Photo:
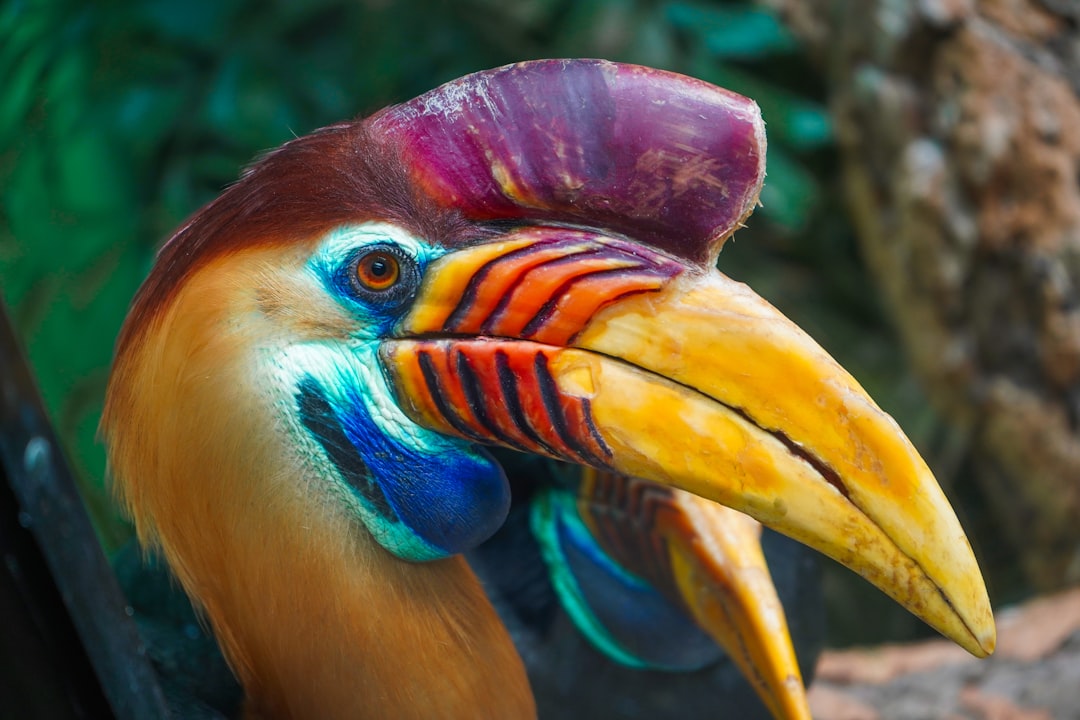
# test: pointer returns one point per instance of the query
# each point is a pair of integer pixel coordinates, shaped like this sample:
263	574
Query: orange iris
378	271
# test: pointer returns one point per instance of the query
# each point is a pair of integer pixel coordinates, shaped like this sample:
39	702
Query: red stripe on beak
547	290
494	391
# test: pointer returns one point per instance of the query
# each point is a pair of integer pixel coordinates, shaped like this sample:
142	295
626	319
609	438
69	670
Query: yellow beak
597	350
708	559
724	580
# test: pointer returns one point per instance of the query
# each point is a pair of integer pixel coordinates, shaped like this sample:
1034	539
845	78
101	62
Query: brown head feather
315	618
337	175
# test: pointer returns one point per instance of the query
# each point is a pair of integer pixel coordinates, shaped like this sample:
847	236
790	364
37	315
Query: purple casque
671	161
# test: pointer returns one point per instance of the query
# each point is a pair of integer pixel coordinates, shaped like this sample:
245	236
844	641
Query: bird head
524	257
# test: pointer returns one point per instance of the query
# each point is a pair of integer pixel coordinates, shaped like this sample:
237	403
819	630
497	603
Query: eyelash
367	287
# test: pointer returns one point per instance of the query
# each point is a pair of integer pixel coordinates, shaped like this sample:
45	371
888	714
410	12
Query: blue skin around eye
636	618
379	318
424	497
451	500
334	267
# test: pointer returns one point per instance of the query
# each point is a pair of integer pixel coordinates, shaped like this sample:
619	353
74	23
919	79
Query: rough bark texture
958	122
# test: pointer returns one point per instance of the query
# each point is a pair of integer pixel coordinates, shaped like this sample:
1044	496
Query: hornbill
525	258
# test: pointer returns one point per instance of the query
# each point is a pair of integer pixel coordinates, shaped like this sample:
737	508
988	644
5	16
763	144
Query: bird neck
322	622
314	617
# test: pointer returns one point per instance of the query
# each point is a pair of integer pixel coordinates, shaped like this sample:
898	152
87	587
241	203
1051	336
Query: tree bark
958	124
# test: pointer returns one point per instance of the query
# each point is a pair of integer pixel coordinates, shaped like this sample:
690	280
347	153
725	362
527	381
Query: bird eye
383	275
378	270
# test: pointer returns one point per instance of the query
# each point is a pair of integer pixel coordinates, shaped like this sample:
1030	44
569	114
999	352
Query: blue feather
622	614
422	502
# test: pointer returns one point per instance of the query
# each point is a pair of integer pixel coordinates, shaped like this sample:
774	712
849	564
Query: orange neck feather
315	618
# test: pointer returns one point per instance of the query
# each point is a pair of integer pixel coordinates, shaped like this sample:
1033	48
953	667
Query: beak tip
980	638
987	641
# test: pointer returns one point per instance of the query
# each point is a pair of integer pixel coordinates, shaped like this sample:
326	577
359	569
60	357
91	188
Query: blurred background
921	215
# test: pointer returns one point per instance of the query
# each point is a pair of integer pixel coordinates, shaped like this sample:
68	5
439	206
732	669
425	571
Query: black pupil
379	267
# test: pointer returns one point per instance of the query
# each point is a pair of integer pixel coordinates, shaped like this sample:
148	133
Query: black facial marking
322	422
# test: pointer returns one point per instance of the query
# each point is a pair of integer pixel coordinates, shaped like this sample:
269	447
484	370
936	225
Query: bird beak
723	579
595	349
708	559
